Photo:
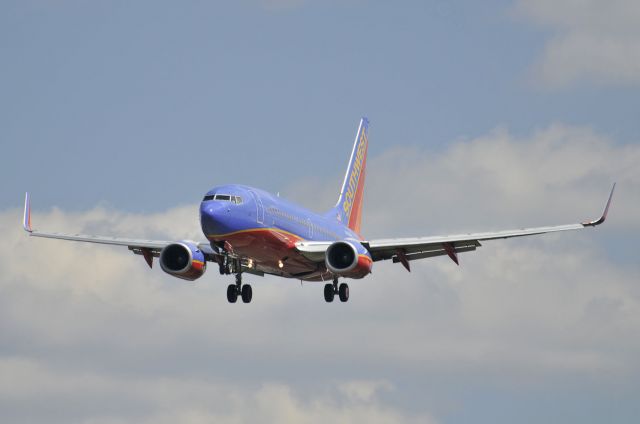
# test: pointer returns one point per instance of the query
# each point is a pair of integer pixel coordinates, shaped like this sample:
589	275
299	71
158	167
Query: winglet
604	214
26	220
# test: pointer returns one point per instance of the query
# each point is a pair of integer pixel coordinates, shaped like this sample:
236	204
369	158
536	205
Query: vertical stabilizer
348	210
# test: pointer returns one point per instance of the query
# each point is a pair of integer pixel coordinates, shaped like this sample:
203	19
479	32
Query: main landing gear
330	290
238	289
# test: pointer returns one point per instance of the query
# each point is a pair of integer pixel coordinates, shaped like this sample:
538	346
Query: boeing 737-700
249	231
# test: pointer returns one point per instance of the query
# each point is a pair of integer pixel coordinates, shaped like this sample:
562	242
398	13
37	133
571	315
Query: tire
232	293
247	293
328	293
343	292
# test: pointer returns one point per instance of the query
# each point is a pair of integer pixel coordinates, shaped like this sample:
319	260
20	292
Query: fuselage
255	224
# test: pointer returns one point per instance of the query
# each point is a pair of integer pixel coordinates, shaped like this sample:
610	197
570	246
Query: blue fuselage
258	225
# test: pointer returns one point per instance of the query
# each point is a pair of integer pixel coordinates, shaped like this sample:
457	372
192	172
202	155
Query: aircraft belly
267	247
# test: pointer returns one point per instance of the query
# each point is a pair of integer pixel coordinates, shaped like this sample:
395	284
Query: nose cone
215	218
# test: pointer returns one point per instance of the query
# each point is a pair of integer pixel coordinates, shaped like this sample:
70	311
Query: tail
348	210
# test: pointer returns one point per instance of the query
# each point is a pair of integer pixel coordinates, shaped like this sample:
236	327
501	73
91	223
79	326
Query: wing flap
433	253
417	246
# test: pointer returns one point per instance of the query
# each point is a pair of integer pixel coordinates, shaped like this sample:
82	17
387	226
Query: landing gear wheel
329	292
232	293
343	292
247	293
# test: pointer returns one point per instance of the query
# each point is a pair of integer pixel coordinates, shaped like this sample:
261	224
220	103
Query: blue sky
108	99
118	116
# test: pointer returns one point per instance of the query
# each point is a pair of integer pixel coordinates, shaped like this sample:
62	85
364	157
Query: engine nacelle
348	259
183	260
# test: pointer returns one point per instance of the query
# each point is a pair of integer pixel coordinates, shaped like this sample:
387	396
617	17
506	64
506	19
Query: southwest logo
354	176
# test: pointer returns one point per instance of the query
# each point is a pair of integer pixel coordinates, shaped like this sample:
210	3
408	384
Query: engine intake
183	260
341	257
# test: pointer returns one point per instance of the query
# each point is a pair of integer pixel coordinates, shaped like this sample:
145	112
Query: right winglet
26	220
604	214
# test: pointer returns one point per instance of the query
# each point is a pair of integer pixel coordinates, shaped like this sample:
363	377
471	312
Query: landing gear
238	289
247	293
330	290
225	264
232	293
343	292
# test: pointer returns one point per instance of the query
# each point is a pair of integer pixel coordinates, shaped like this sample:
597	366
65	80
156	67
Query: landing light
280	264
250	263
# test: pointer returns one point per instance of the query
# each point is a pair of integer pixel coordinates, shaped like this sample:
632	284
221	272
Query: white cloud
190	400
593	40
90	333
363	390
560	174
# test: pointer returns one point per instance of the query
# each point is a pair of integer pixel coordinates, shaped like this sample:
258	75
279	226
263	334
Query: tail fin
348	210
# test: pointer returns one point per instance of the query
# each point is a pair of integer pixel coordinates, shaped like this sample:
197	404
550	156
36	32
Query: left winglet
604	214
26	220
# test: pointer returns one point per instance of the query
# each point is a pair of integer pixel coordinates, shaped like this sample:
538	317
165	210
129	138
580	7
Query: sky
118	116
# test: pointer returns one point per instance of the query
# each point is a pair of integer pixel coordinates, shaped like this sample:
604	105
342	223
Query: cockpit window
223	197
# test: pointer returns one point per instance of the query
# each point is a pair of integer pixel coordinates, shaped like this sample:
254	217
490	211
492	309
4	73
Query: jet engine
183	260
348	260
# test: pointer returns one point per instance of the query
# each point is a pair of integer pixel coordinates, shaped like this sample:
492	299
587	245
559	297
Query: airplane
250	231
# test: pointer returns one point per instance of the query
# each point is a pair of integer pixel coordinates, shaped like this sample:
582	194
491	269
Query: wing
147	248
408	249
404	250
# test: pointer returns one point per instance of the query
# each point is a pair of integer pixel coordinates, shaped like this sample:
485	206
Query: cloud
559	174
90	334
171	400
592	41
